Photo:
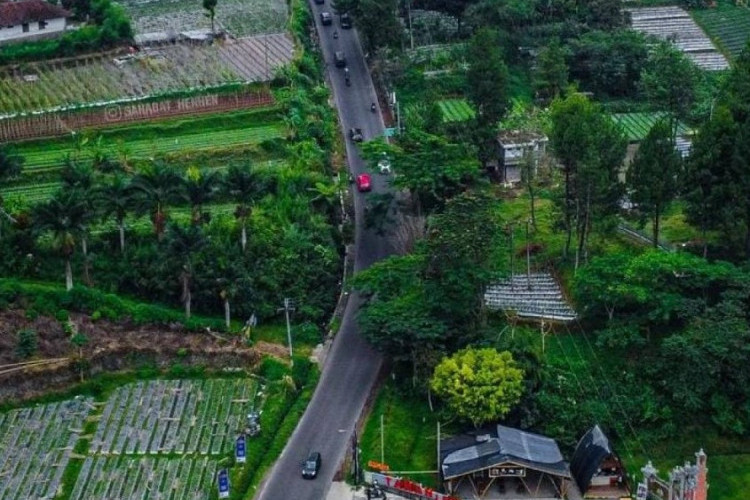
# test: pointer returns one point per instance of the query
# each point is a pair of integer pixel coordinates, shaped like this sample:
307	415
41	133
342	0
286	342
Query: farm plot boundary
64	123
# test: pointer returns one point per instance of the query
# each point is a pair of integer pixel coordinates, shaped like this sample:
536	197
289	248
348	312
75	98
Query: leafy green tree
459	244
377	21
210	8
590	148
245	187
709	180
432	170
26	344
156	187
11	164
479	385
115	198
740	168
487	87
738	86
551	70
669	80
608	63
653	177
600	286
183	244
10	167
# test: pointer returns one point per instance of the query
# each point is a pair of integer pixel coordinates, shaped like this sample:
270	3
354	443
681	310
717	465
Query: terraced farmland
455	110
727	23
130	478
676	25
152	72
35	447
238	17
174	416
637	125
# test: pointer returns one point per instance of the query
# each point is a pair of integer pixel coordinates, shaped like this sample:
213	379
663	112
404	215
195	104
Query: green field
212	141
637	125
455	110
727	24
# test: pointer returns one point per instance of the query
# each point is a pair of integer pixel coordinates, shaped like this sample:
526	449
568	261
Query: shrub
273	369
27	343
62	315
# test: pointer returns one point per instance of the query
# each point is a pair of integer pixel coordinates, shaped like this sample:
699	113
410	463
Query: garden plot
35	447
455	110
536	296
727	23
256	58
676	25
152	72
174	416
136	478
238	17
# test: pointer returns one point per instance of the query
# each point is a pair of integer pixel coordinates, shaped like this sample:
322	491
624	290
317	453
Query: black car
311	466
346	21
355	134
339	59
320	2
326	18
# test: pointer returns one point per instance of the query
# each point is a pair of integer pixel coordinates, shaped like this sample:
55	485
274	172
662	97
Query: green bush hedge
55	301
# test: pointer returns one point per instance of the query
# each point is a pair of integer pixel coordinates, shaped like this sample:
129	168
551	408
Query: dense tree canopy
478	385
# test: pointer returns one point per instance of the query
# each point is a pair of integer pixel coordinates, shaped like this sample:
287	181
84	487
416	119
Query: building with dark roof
30	19
491	462
597	470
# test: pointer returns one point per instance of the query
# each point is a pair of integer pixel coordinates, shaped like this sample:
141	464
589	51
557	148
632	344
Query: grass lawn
409	437
729	476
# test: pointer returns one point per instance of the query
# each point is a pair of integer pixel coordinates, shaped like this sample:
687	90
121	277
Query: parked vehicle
384	164
320	2
326	18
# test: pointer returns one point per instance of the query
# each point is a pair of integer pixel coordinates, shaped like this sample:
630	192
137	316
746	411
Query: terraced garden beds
727	23
238	17
455	110
164	70
35	446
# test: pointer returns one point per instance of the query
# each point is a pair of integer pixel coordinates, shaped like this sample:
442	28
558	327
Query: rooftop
28	11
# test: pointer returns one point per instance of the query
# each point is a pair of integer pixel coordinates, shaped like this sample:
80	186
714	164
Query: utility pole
382	440
528	257
438	447
512	281
288	306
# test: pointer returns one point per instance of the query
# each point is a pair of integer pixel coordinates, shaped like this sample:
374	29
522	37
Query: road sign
390	132
223	484
239	449
642	491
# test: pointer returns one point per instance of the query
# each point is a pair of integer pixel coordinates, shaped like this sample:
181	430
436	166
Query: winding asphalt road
352	364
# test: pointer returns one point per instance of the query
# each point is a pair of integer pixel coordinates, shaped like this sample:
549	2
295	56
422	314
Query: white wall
16	32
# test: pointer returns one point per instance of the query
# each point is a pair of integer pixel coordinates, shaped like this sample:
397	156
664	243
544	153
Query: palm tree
155	188
183	244
244	185
200	188
115	198
64	215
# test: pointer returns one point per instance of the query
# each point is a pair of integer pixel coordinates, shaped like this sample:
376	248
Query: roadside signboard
239	449
223	484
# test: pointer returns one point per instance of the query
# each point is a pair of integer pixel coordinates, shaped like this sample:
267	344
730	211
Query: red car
364	183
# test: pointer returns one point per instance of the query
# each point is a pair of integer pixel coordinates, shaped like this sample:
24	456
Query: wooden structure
492	461
597	469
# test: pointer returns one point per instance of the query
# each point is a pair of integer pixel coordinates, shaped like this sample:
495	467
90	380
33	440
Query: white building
512	146
22	20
